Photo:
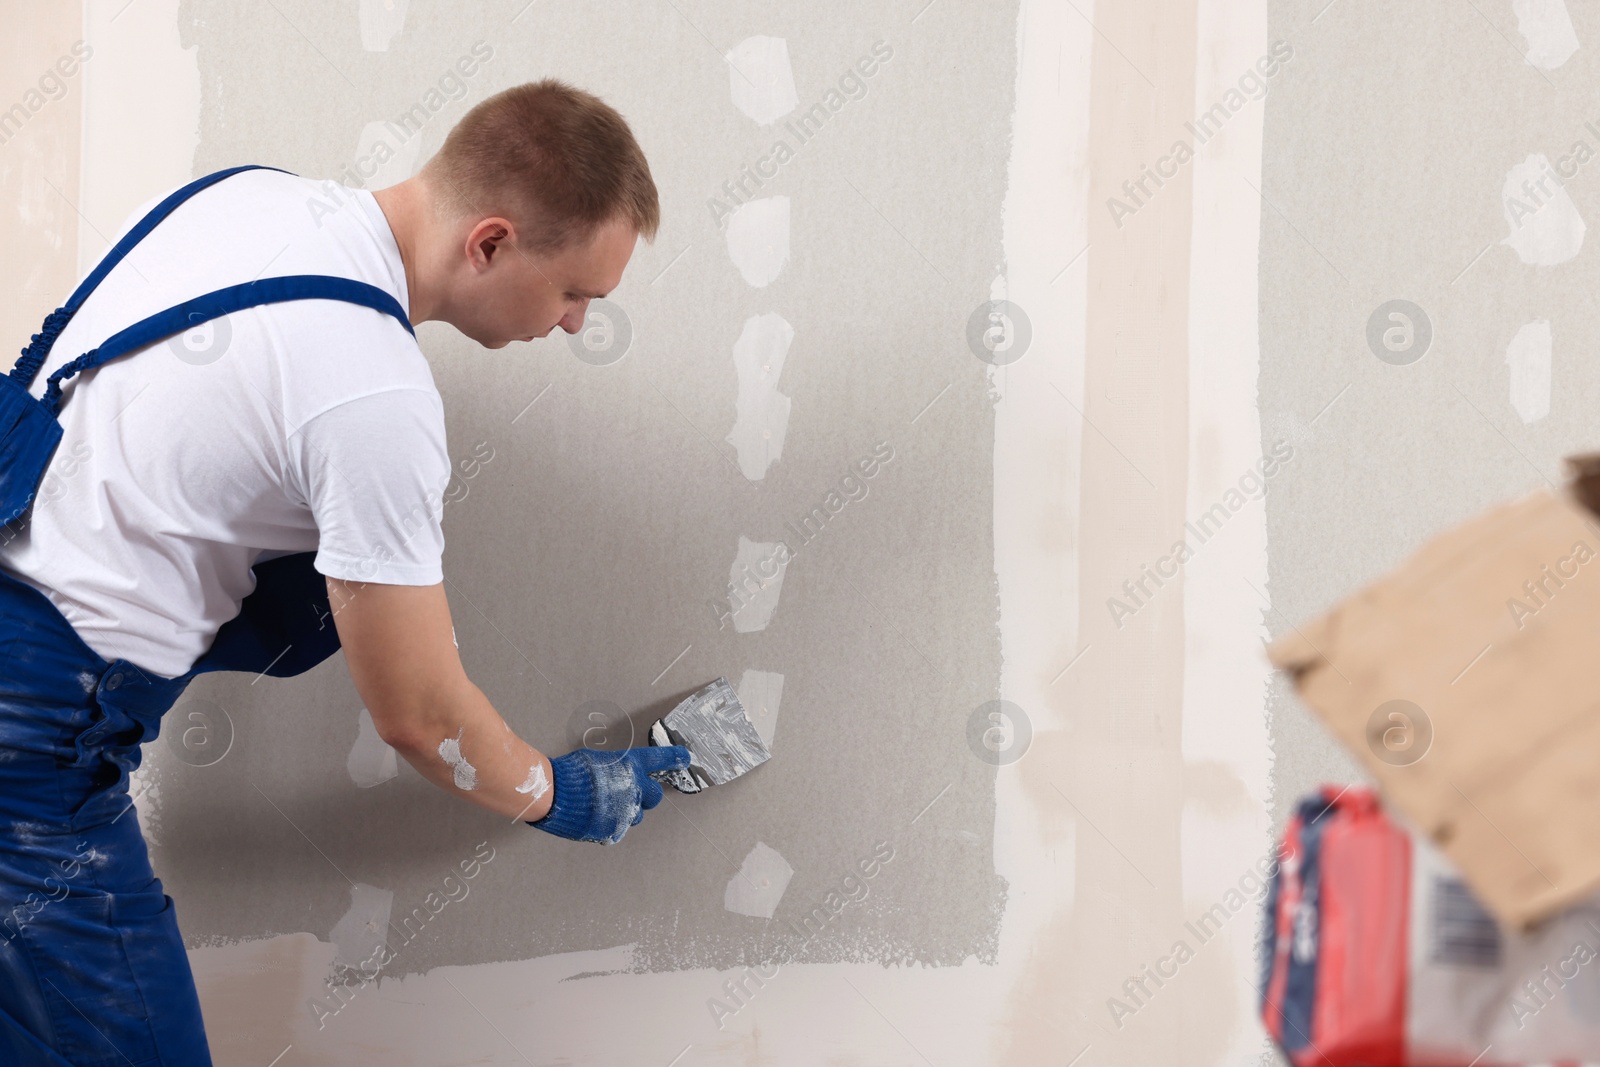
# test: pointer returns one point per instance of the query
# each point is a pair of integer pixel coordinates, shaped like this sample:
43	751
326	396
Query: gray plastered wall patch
581	561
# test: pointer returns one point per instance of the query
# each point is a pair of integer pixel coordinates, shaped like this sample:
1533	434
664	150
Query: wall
1038	866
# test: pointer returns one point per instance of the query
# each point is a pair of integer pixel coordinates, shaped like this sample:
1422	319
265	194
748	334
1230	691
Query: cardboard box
1468	683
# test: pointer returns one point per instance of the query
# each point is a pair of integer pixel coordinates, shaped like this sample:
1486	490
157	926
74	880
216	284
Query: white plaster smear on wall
761	692
758	239
1547	28
758	884
371	761
1528	356
257	994
761	412
362	930
757	593
760	79
1545	226
141	115
381	20
566	1009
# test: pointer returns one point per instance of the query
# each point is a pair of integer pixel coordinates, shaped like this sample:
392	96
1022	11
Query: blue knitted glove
599	794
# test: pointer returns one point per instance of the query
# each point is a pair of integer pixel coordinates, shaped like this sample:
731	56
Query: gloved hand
599	794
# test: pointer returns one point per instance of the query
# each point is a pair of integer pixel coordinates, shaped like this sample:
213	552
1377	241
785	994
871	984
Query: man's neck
406	208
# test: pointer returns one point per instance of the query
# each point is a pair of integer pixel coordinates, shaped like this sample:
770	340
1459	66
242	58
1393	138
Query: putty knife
721	739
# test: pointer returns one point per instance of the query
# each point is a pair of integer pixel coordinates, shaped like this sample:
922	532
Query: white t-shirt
291	427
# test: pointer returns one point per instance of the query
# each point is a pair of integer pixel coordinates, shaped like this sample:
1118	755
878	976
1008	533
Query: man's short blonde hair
555	160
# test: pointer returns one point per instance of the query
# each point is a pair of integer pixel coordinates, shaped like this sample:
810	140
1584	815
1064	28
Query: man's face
511	295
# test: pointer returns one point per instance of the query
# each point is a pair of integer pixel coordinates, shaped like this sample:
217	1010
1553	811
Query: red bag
1376	954
1335	988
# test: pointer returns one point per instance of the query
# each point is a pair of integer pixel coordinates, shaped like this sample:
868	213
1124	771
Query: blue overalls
92	966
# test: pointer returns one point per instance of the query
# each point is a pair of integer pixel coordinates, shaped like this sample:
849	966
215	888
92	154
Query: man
226	452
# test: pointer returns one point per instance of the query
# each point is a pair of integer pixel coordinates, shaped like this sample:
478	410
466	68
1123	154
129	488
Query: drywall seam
1119	779
40	227
1037	457
1226	824
141	115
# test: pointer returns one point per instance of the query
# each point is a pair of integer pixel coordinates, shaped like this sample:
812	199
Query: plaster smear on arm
536	783
450	752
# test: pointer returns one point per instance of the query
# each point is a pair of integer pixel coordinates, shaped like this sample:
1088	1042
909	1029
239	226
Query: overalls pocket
90	987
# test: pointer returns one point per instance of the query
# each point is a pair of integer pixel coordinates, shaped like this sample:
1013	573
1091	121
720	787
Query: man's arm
399	644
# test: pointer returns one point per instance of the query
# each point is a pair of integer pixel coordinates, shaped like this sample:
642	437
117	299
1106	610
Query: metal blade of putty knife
721	739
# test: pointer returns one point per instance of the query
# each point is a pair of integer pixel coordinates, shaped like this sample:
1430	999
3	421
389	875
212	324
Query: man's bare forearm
400	647
465	747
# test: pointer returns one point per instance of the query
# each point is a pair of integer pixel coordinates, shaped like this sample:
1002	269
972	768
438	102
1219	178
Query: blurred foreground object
1378	955
1468	683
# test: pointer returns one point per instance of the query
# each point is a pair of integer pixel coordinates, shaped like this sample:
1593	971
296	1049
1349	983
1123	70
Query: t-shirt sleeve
374	471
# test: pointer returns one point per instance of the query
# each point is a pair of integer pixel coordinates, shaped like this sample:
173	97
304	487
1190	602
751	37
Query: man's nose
573	320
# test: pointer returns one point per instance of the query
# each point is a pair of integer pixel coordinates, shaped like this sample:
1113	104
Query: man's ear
490	237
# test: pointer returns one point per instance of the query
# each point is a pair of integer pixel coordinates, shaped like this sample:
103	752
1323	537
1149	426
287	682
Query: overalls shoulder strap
219	302
33	356
190	313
